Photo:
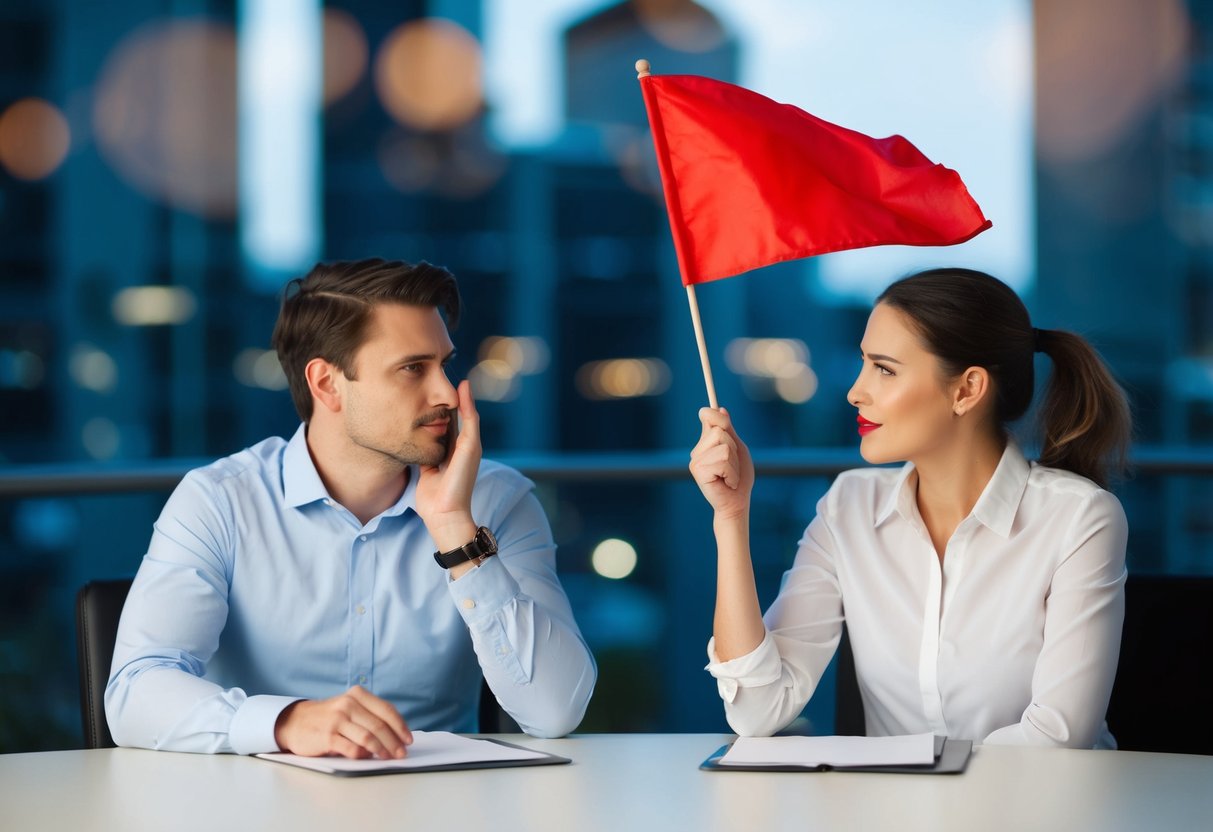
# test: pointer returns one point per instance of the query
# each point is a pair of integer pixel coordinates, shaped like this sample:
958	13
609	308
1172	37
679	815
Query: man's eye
411	368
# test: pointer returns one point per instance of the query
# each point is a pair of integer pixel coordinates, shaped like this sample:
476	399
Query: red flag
749	182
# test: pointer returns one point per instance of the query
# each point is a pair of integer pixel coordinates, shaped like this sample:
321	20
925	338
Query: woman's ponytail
1084	420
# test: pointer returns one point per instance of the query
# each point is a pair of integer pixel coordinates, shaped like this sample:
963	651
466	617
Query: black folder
951	757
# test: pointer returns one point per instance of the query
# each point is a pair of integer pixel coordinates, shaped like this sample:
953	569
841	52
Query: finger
467	402
468	438
714	465
384	711
347	748
713	418
373	734
714	438
468	414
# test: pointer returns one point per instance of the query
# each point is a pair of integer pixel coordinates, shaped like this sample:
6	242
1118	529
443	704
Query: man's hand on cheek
444	491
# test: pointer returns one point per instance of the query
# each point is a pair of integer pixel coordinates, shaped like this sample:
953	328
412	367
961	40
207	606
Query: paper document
838	752
430	749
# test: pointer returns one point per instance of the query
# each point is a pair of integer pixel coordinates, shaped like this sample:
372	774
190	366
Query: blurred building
134	325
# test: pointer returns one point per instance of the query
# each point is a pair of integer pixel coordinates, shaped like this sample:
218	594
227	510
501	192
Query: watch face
486	541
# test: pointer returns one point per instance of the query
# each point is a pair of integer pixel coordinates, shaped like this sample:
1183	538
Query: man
290	598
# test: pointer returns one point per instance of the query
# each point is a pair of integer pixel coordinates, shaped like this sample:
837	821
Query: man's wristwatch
483	545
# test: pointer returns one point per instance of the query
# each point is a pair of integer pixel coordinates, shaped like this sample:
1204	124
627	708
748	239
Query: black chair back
848	704
1162	699
98	608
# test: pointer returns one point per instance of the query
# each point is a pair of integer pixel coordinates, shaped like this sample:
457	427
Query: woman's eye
884	371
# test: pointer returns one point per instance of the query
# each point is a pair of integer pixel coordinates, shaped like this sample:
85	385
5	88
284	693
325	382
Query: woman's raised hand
721	465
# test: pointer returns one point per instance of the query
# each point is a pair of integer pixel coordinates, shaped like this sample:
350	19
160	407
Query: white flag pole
703	347
643	70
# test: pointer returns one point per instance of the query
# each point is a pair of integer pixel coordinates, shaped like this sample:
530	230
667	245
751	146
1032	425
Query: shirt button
468	603
362	679
361	610
362	537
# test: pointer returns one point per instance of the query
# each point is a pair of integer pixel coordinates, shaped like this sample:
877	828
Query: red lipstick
865	427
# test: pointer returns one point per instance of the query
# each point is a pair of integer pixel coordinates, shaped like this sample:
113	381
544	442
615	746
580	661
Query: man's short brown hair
324	314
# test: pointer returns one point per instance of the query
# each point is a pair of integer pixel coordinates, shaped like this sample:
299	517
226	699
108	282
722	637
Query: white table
628	782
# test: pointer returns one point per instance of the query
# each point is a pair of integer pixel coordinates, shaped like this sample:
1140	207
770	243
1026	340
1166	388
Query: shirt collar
301	483
995	507
901	496
1000	500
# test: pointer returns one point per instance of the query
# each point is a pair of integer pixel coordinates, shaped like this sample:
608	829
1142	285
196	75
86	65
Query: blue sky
953	77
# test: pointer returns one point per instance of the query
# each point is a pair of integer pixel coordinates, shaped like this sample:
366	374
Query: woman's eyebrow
875	356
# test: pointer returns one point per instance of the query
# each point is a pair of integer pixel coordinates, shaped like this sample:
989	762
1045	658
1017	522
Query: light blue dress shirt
258	589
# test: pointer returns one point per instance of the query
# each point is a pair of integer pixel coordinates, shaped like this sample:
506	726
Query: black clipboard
316	764
951	757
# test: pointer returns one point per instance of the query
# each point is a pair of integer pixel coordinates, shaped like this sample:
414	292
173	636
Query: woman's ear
971	389
322	380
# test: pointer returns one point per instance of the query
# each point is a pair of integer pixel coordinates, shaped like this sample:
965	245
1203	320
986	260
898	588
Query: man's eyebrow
875	356
428	356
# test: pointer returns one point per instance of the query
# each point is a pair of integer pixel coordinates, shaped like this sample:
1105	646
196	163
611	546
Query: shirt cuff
761	666
480	592
252	729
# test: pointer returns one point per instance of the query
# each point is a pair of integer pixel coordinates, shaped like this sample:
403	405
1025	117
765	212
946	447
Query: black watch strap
483	545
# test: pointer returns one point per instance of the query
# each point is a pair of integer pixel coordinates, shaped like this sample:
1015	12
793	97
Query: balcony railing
18	481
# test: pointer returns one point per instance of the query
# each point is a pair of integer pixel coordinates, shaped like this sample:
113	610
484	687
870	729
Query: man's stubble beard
410	453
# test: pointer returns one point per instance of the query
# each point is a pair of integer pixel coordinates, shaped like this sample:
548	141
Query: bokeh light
798	387
345	54
781	363
614	558
494	381
502	361
92	368
34	139
100	438
154	306
427	74
766	357
259	368
623	378
165	114
525	355
680	24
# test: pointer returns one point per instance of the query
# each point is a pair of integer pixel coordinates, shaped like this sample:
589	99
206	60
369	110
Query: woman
983	594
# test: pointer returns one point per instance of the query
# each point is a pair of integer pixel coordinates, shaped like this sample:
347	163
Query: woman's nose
855	395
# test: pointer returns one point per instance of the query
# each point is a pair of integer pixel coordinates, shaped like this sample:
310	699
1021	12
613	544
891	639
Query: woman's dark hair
967	319
324	314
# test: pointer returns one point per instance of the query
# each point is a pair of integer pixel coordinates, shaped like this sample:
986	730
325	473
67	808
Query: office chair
1162	699
98	608
848	704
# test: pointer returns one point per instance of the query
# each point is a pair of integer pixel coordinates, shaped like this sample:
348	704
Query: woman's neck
951	482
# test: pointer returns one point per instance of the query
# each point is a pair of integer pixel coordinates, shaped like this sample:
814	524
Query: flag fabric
749	182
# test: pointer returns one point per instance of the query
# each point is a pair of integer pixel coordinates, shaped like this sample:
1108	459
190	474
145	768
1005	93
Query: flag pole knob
643	70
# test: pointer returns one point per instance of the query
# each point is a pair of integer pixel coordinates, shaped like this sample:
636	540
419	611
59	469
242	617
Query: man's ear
972	388
322	381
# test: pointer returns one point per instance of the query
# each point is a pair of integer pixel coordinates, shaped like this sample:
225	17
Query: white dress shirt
1013	639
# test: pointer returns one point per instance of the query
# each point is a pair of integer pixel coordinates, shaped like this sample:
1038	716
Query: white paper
429	748
915	749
